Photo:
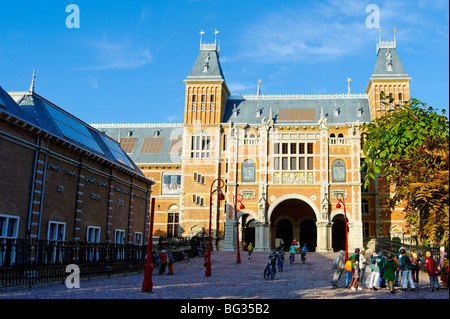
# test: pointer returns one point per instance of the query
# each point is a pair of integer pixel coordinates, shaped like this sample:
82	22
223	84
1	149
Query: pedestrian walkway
228	280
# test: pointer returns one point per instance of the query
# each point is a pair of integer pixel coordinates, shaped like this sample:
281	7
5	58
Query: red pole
235	201
208	261
147	284
238	258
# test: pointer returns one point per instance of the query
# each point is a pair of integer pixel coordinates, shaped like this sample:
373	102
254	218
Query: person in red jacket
163	257
433	271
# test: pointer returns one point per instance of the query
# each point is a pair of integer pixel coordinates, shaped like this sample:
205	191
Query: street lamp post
340	198
220	196
147	284
235	201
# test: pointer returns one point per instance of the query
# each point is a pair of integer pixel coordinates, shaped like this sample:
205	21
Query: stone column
262	237
323	232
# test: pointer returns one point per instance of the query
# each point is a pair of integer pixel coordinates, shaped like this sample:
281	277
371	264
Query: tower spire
32	82
259	87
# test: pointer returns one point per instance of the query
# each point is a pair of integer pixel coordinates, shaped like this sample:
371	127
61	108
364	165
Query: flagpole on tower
348	84
201	37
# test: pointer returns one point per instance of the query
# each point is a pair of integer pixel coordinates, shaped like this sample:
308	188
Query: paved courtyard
228	281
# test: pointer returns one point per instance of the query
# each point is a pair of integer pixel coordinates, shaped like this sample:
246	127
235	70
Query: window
338	171
93	237
119	237
365	207
294	156
127	144
138	238
366	232
171	184
93	234
56	231
8	229
248	171
201	145
152	145
173	221
296	115
9	226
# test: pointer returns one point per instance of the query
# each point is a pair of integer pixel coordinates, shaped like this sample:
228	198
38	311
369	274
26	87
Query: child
431	267
355	279
163	257
390	266
273	258
250	250
375	266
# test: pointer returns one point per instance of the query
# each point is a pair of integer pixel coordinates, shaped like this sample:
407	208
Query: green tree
409	146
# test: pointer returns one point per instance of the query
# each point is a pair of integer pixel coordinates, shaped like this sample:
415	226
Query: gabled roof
39	112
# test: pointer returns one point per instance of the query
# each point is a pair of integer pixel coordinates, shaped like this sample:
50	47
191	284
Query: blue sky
127	61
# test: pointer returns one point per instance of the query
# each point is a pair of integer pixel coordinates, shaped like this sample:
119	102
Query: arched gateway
293	217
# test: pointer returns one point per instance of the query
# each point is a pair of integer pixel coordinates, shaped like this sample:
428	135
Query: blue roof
43	114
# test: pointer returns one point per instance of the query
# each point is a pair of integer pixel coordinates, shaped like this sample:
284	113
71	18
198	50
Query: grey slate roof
43	114
347	109
168	132
381	71
214	70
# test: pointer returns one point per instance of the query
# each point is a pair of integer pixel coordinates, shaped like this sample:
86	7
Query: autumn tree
409	146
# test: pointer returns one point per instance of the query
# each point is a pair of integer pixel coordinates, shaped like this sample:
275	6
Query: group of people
164	260
275	255
389	270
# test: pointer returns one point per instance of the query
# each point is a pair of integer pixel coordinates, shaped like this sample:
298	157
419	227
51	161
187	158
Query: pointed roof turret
207	65
388	63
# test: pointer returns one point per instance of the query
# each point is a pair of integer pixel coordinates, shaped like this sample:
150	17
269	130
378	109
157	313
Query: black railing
394	245
27	262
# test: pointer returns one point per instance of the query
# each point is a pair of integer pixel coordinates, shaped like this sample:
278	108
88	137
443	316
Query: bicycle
270	271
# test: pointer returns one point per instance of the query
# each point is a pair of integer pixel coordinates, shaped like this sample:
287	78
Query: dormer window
258	112
389	66
359	111
336	112
235	111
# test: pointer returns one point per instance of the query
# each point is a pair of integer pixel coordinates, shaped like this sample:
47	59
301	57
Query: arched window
248	171
338	171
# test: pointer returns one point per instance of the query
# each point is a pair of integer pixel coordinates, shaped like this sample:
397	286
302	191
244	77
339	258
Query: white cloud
117	55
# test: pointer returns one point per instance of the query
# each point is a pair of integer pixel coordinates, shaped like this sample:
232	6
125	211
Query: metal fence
393	246
27	262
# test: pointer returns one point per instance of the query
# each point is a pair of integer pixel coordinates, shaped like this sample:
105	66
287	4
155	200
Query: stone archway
287	215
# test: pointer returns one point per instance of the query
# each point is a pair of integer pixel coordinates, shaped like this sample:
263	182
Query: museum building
289	156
